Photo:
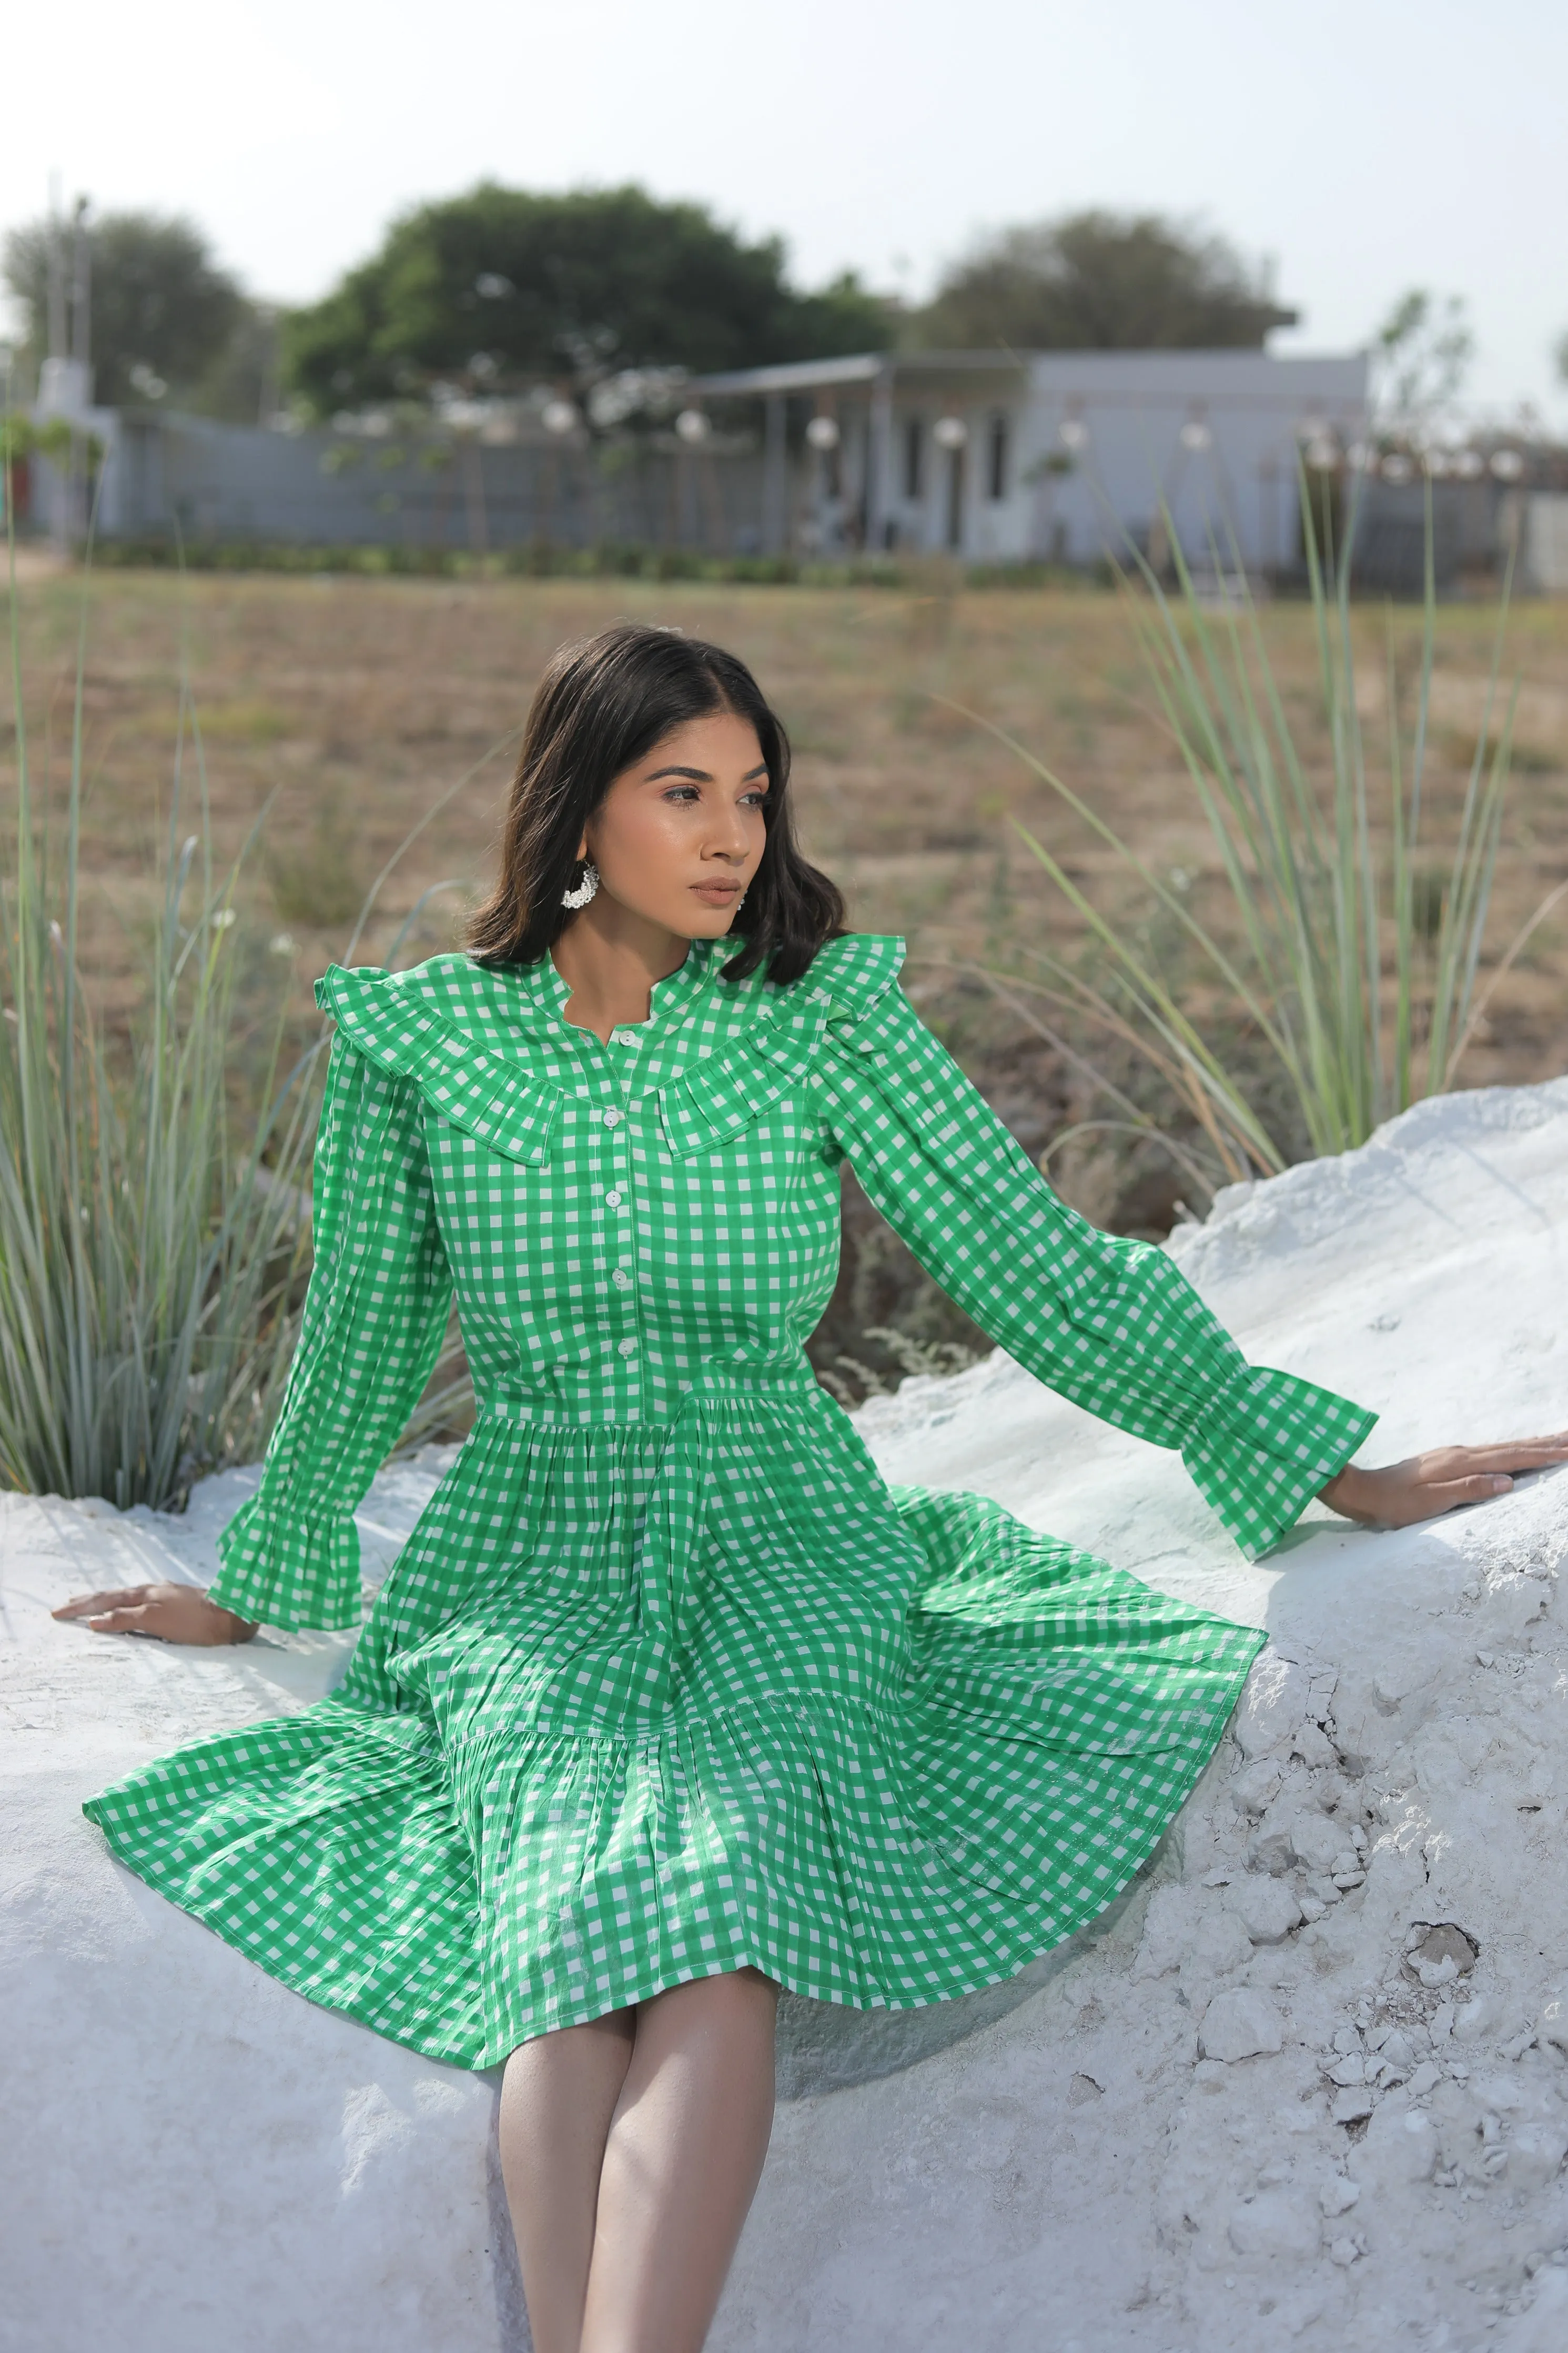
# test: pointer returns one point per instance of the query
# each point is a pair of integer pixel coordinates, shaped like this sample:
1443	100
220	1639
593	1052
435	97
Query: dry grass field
354	703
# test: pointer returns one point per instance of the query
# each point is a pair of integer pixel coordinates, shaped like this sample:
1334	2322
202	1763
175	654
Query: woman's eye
682	793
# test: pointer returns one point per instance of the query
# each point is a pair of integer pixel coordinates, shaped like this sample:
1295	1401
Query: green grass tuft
1351	952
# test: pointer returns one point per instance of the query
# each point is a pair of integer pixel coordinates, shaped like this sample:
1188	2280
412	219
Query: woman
670	1701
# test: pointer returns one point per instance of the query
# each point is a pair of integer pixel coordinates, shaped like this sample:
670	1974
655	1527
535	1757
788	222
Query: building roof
1109	374
862	367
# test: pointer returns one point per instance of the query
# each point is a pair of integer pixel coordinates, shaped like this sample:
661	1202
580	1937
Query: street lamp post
950	435
821	435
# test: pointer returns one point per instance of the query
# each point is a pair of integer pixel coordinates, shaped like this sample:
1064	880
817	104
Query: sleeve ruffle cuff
287	1568
1265	1446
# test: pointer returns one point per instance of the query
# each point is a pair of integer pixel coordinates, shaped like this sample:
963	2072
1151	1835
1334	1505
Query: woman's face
679	835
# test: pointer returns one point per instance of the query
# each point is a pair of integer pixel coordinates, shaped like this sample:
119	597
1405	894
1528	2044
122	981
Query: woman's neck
610	965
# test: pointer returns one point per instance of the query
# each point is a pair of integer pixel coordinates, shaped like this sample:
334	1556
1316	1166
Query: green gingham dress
668	1680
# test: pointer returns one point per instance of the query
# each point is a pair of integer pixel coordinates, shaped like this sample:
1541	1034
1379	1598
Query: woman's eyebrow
702	776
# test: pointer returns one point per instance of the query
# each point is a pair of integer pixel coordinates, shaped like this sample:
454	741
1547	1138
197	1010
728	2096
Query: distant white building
995	457
1047	456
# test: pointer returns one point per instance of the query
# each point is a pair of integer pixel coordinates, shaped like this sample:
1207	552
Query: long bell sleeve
1113	1324
375	1317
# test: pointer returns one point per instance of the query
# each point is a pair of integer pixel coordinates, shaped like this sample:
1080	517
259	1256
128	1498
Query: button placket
613	1120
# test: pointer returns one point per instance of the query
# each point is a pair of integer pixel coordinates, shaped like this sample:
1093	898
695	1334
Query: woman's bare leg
681	2163
557	2099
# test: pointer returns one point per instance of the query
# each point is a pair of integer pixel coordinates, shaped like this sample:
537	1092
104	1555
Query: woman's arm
1111	1323
375	1313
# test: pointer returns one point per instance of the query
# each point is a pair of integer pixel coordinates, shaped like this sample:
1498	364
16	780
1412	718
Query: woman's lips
720	892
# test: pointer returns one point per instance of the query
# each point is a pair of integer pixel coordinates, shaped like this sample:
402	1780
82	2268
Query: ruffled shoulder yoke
441	1025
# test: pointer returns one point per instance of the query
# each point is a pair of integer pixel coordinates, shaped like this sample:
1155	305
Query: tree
164	311
1424	349
1103	281
501	288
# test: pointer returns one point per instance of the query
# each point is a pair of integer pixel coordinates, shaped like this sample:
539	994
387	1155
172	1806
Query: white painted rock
1266	1908
1272	1705
1254	1789
1278	2225
1220	1943
1543	2327
1272	1846
1315	1841
194	2157
1239	2023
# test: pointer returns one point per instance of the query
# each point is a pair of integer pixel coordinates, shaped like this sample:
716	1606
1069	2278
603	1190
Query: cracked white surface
1306	2087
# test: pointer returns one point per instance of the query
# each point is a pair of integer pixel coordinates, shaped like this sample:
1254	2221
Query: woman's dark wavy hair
601	706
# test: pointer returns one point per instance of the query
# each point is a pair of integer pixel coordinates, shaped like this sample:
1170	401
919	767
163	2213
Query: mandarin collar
548	993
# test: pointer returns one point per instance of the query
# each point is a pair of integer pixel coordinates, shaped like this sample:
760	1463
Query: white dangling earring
585	889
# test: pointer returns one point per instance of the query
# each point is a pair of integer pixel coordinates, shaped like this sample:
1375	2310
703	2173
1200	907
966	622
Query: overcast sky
1367	147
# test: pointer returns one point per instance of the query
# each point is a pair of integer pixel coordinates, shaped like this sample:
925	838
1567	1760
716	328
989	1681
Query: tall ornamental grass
1355	923
151	1258
154	1215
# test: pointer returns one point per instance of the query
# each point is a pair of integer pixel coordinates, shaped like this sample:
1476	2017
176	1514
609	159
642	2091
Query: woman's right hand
171	1613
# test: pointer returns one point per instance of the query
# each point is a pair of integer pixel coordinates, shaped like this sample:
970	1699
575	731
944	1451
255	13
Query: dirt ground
346	708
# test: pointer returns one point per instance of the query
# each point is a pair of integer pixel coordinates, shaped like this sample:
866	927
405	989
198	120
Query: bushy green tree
164	311
1424	349
1102	282
500	287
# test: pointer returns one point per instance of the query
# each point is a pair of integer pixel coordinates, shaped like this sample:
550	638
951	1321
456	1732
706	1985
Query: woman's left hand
170	1613
1424	1484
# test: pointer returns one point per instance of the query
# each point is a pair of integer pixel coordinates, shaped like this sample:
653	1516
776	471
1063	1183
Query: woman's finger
82	1605
128	1621
1517	1454
1478	1488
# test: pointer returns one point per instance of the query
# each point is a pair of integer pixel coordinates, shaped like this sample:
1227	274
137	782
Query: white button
629	1347
621	1279
623	1036
611	1118
612	1200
